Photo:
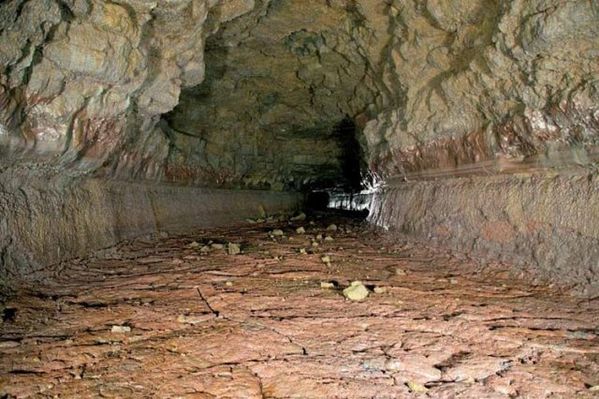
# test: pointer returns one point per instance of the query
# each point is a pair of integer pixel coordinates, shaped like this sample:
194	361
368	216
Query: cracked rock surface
164	319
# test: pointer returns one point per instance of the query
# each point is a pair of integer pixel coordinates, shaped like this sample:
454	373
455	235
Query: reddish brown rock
274	332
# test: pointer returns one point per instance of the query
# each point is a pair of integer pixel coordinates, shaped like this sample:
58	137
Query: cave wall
487	80
83	155
452	101
493	148
48	220
83	83
278	81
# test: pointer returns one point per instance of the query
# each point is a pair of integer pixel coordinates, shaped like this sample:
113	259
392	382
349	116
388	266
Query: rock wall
83	82
249	94
46	221
493	145
487	80
549	226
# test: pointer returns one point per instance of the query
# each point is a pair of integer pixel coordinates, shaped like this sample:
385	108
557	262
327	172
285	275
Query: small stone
332	227
400	272
277	233
326	259
329	238
190	319
120	329
327	285
594	388
229	284
314	244
205	249
416	387
233	249
356	291
194	245
300	230
298	218
217	246
380	290
303	251
9	344
319	237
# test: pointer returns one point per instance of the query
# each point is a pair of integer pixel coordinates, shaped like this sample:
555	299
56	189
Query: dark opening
346	193
351	158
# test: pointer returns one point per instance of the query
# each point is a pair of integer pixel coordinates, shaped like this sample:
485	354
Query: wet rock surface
162	318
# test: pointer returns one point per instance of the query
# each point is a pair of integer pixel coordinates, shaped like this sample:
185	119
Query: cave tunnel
299	199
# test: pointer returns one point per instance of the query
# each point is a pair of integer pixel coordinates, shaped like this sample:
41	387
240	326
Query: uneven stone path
168	319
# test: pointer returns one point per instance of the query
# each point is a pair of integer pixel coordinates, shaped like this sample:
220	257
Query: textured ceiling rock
127	88
279	79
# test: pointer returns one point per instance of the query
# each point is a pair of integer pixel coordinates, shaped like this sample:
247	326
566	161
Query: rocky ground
264	311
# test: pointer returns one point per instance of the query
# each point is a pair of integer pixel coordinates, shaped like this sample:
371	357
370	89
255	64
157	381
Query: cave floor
162	319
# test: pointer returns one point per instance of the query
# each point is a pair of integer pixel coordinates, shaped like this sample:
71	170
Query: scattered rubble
255	322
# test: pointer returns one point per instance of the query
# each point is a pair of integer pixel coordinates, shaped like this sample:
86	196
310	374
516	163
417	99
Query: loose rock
300	230
356	291
120	329
416	387
205	249
233	249
298	218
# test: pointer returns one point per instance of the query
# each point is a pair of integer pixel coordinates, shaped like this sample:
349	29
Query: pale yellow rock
300	230
120	329
416	387
356	291
380	290
327	285
233	249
